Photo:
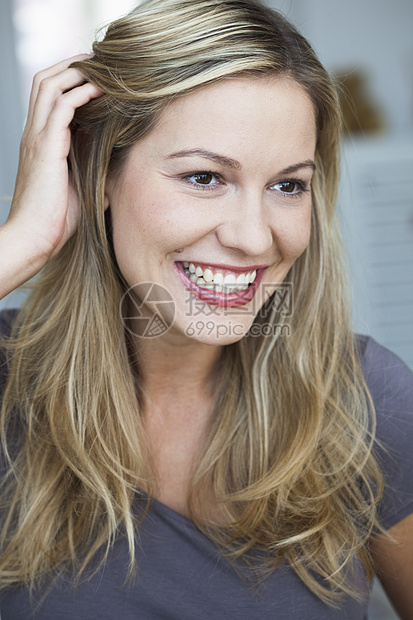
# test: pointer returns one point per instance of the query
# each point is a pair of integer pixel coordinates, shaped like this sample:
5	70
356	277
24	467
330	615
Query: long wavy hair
289	455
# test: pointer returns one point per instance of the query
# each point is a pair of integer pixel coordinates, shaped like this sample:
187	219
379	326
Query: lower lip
225	300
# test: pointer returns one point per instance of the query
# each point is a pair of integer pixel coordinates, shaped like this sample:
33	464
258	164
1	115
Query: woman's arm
44	209
394	566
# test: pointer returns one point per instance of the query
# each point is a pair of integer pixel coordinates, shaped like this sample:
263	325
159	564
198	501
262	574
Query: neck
176	373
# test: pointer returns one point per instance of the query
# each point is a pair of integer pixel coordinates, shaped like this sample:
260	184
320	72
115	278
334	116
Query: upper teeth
208	278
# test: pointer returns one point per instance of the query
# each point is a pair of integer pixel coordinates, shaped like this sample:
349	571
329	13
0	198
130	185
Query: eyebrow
220	159
233	163
308	163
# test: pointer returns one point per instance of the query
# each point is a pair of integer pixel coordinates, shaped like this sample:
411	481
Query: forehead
251	118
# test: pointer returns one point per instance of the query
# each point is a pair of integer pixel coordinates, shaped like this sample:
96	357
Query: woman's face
225	178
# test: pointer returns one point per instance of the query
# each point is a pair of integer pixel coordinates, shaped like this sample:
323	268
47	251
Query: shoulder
390	382
389	379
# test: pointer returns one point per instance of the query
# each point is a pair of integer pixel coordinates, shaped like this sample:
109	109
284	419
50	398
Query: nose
246	226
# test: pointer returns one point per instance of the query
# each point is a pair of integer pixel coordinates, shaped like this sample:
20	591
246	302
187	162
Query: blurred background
368	46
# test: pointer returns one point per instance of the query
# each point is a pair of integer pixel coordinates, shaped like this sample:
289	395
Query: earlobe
108	192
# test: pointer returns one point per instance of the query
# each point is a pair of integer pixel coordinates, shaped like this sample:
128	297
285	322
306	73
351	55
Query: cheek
135	220
148	227
294	235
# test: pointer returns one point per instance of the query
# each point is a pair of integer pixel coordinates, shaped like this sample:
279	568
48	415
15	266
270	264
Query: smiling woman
213	464
248	212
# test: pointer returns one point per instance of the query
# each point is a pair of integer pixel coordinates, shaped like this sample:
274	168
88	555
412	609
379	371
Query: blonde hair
289	453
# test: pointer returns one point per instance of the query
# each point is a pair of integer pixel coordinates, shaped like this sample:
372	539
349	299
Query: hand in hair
44	209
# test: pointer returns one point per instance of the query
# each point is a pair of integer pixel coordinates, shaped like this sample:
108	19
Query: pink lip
223	300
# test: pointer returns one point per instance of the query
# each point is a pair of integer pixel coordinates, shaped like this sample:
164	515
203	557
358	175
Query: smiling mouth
220	286
219	280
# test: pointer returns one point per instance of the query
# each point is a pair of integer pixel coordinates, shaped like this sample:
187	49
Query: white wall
11	120
376	35
10	111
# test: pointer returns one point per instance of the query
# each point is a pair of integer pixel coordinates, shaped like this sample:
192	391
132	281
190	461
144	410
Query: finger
50	89
50	72
62	113
55	69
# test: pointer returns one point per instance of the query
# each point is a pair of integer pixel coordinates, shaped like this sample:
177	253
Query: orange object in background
361	113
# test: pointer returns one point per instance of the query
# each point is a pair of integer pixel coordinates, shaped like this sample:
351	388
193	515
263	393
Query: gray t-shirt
182	575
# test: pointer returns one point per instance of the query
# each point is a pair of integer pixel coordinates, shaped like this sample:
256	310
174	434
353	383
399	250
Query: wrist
20	260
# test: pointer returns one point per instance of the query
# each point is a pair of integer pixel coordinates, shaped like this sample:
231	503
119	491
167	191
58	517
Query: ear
106	202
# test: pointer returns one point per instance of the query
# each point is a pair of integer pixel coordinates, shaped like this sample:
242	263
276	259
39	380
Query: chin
206	330
220	341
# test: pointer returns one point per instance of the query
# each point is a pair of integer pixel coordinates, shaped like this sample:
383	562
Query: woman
179	440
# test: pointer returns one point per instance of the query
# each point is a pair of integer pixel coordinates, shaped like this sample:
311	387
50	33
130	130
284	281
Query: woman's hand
44	209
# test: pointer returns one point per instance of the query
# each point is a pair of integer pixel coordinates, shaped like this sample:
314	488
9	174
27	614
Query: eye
203	180
291	187
288	187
